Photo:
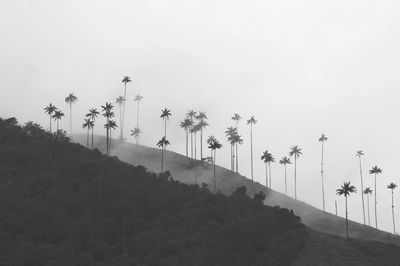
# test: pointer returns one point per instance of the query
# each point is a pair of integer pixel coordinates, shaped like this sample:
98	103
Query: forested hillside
63	204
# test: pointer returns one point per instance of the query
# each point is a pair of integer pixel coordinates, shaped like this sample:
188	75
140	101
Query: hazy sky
301	67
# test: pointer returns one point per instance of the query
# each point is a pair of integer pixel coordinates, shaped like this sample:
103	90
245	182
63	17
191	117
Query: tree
191	114
138	99
108	114
323	139
237	118
120	101
230	133
165	114
193	130
214	146
57	116
237	139
392	186
202	125
296	152
285	161
252	121
186	124
359	154
265	157
125	80
70	99
162	143
89	124
136	134
367	191
93	113
210	140
50	109
375	171
345	190
110	126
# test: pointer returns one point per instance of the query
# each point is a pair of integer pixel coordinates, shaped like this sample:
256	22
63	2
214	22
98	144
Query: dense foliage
62	204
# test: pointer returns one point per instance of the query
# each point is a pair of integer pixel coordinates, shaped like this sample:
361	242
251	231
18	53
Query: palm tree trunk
376	216
165	127
347	220
195	145
362	189
322	177
187	143
87	138
120	120
50	123
162	159
70	118
58	120
92	137
295	177
266	176
110	142
285	181
232	158
270	180
107	141
394	226
215	182
137	115
201	144
237	159
123	114
251	150
191	145
369	219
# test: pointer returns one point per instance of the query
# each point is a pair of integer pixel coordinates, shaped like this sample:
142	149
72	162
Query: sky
302	68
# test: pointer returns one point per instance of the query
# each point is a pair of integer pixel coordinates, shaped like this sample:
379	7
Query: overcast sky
302	68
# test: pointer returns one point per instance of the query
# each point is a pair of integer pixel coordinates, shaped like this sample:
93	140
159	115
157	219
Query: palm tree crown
138	98
126	80
296	151
58	114
346	189
375	170
165	114
50	109
120	100
186	124
251	121
323	138
359	153
285	160
163	142
392	186
71	99
136	132
367	190
93	113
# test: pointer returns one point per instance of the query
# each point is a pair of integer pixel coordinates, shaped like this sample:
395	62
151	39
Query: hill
62	204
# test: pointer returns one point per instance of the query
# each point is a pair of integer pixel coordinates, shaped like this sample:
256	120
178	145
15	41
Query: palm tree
162	143
137	99
120	101
202	125
392	186
296	152
89	124
110	126
265	157
323	139
50	109
359	154
125	80
108	114
186	124
237	118
345	190
237	139
193	130
210	140
57	116
136	133
165	114
252	121
70	99
230	134
214	146
375	171
285	161
367	191
92	115
191	114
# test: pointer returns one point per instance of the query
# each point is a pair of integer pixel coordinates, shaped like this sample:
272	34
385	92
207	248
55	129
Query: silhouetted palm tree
345	190
136	134
252	121
214	146
191	115
285	161
120	101
125	80
323	139
359	154
375	171
237	139
110	126
237	118
296	152
50	109
265	157
108	114
89	124
392	186
210	140
367	191
230	134
57	116
202	125
186	125
194	129
93	113
70	99
165	114
162	143
138	99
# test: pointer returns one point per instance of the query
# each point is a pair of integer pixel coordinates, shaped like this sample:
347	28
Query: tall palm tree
359	154
230	133
165	114
367	191
93	113
136	134
57	116
214	146
70	99
285	161
89	124
296	152
138	99
194	129
265	157
162	143
375	171
108	114
186	125
252	121
191	115
237	139
110	126
120	101
345	190
323	139
237	118
125	80
392	186
50	109
210	140
202	125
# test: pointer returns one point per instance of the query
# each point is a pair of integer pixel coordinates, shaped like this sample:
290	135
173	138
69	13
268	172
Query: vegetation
392	186
367	191
252	121
323	139
84	208
214	146
345	190
125	80
295	151
70	100
375	171
359	154
285	161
